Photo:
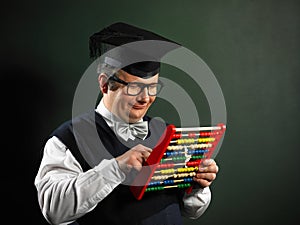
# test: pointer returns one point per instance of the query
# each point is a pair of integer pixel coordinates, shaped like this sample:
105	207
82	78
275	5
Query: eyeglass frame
142	85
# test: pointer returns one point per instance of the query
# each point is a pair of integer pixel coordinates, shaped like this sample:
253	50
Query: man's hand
207	173
133	158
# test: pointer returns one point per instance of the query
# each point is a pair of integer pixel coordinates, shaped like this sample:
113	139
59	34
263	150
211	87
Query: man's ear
103	85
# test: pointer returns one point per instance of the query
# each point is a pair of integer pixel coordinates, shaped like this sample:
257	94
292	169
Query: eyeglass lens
135	88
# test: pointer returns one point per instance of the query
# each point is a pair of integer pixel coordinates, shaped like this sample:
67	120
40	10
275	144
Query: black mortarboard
132	45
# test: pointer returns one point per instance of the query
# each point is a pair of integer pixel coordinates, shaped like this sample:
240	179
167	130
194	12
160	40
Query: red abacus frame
141	181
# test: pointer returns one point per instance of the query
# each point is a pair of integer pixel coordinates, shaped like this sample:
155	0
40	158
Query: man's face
129	108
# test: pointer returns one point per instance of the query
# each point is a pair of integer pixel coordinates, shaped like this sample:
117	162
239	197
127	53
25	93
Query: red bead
192	135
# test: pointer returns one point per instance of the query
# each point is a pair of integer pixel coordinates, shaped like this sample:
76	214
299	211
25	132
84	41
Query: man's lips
139	106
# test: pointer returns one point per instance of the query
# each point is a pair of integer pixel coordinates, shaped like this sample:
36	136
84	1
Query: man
77	186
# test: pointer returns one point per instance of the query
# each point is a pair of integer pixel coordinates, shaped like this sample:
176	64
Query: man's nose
144	93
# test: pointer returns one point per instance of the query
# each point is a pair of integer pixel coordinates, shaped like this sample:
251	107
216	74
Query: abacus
176	158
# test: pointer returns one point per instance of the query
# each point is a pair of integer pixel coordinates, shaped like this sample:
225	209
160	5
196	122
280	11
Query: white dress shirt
66	193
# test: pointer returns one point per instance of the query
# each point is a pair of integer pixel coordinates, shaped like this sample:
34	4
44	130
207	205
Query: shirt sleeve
65	192
196	203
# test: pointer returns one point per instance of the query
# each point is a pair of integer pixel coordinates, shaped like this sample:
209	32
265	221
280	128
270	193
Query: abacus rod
170	186
175	164
196	162
189	129
178	175
175	181
188	135
195	140
178	170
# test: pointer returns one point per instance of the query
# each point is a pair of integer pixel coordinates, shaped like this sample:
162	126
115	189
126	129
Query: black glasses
135	88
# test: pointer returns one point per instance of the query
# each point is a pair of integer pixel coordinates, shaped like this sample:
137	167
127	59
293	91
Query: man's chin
134	117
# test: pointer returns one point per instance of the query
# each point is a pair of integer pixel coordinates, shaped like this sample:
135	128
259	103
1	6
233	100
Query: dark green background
253	49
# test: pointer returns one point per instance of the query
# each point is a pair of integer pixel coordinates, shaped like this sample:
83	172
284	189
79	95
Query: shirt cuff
110	170
196	203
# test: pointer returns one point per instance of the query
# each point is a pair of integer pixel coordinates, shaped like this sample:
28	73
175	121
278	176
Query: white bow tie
126	131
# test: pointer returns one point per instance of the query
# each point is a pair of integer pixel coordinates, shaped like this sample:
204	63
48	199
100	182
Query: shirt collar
111	119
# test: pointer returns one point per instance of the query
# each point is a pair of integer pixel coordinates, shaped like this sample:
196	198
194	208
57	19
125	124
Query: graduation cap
132	49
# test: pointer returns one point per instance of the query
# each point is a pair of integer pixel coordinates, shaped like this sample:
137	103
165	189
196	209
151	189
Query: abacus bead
192	134
187	179
190	163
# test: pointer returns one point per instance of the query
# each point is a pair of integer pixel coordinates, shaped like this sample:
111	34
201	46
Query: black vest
119	207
